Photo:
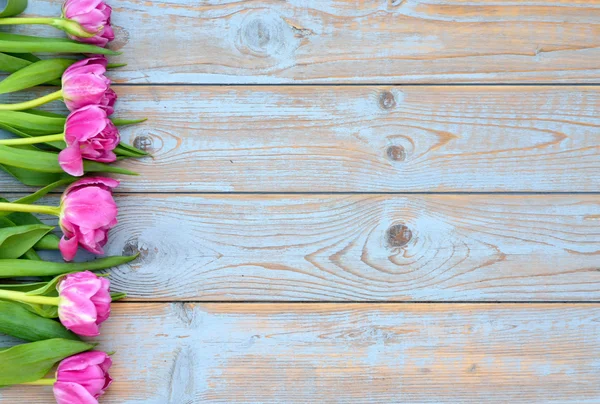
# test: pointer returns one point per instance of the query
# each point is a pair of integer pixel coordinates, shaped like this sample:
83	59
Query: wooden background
356	201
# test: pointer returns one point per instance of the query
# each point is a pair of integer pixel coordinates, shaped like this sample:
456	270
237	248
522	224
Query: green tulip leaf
31	254
125	150
7	222
118	296
41	310
48	288
30	362
12	268
30	57
11	64
23	287
40	193
48	242
37	123
13	43
33	123
17	240
48	114
17	321
32	178
6	36
35	74
13	7
44	289
125	122
47	162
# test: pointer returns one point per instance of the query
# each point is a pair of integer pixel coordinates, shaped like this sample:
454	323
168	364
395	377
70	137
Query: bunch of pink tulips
52	150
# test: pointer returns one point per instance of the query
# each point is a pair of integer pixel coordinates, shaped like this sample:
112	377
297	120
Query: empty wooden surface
316	232
340	353
362	139
368	247
358	247
341	41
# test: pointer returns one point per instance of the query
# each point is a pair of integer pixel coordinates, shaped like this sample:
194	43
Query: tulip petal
84	303
71	162
88	212
89	370
85	359
68	248
74	7
72	393
103	182
93	15
90	208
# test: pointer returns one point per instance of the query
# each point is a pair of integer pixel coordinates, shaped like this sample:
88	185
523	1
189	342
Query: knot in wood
146	254
121	37
398	235
387	100
263	35
396	153
143	142
131	247
257	34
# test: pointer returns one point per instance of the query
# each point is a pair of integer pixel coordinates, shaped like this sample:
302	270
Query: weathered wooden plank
340	41
359	247
359	353
362	138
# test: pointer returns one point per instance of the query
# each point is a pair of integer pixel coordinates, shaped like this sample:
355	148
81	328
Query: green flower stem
25	298
19	207
64	24
22	106
27	21
41	382
32	140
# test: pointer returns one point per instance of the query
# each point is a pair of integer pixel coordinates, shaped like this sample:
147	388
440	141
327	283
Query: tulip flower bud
82	378
89	135
84	302
94	18
84	83
88	212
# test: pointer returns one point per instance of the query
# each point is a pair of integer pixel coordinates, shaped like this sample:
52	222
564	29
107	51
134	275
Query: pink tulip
89	135
82	378
84	83
84	302
94	18
88	212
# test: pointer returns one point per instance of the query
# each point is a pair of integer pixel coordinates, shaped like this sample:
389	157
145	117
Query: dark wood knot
396	153
146	254
143	143
398	235
387	100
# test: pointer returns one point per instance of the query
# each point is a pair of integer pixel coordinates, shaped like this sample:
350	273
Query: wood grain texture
341	41
362	138
359	353
358	247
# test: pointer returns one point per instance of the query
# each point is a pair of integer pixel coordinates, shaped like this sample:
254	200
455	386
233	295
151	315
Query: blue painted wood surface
334	193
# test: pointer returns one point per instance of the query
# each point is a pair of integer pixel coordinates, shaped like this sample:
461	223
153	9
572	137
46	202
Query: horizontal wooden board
342	41
359	247
362	139
358	353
